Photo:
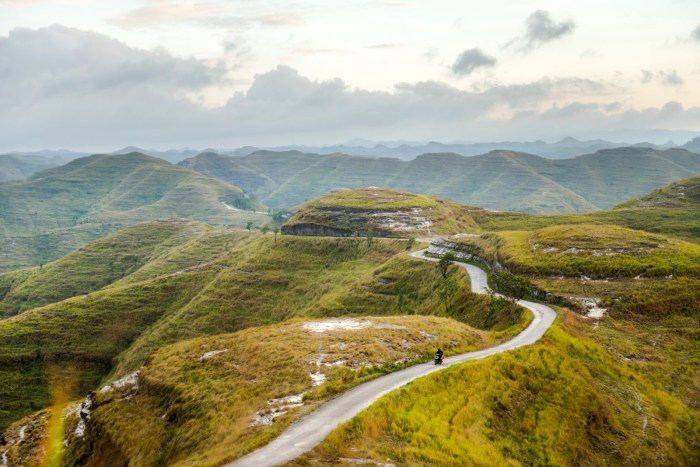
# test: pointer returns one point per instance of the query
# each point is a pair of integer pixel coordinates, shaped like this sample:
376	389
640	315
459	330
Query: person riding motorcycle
438	357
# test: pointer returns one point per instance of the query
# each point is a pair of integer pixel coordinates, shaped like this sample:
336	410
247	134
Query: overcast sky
101	74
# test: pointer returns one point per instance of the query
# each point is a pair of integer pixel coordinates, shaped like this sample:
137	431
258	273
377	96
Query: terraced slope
502	180
132	254
52	212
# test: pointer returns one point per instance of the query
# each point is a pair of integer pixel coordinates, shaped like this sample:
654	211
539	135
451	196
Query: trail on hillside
308	432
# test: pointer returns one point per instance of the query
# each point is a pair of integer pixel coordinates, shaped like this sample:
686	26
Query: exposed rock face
344	222
318	230
439	247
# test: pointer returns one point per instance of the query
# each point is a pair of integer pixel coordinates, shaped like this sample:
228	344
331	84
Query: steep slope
502	180
681	194
98	194
380	212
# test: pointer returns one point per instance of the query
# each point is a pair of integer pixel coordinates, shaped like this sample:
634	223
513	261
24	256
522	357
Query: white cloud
69	88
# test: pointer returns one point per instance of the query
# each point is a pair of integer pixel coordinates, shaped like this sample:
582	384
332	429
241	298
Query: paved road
309	431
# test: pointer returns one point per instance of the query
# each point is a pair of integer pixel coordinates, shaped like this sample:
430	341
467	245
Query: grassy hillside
100	193
681	194
97	264
672	210
220	394
256	280
619	393
382	211
502	180
594	250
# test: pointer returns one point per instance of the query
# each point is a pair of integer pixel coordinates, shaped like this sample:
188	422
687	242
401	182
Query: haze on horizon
89	75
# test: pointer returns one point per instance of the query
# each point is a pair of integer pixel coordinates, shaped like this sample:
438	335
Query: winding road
308	432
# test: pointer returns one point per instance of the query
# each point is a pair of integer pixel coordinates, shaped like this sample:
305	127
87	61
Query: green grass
204	287
375	198
679	194
567	400
88	332
681	222
209	404
594	250
96	265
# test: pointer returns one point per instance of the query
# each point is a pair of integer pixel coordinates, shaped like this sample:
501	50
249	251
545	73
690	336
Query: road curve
308	432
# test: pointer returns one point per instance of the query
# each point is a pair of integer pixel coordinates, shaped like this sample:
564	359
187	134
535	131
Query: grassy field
97	264
597	251
211	403
371	198
615	394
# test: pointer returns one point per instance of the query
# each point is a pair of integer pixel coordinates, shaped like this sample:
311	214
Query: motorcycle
438	359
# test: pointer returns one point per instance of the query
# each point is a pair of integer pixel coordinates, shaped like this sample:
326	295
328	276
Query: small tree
515	288
265	229
445	262
276	230
249	225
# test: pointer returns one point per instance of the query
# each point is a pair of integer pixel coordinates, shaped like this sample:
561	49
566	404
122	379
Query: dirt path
309	431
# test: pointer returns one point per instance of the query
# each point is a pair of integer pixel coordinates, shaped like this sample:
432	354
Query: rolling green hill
215	282
614	389
501	180
130	255
52	212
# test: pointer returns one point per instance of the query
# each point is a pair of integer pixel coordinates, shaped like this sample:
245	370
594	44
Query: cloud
540	28
695	35
206	14
667	78
470	60
68	88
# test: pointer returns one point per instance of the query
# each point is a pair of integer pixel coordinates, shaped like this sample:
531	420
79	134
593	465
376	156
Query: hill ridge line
308	432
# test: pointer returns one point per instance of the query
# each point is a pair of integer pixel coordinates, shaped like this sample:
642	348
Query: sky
102	74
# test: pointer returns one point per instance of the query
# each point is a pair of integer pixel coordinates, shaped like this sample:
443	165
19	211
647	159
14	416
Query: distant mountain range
17	165
499	180
564	149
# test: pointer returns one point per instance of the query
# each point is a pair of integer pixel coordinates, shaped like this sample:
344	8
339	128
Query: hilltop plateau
380	212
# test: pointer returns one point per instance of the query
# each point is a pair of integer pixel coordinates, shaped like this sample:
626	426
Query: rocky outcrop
311	229
345	222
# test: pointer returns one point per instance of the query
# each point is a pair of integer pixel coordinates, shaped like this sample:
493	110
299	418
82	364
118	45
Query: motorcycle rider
438	356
